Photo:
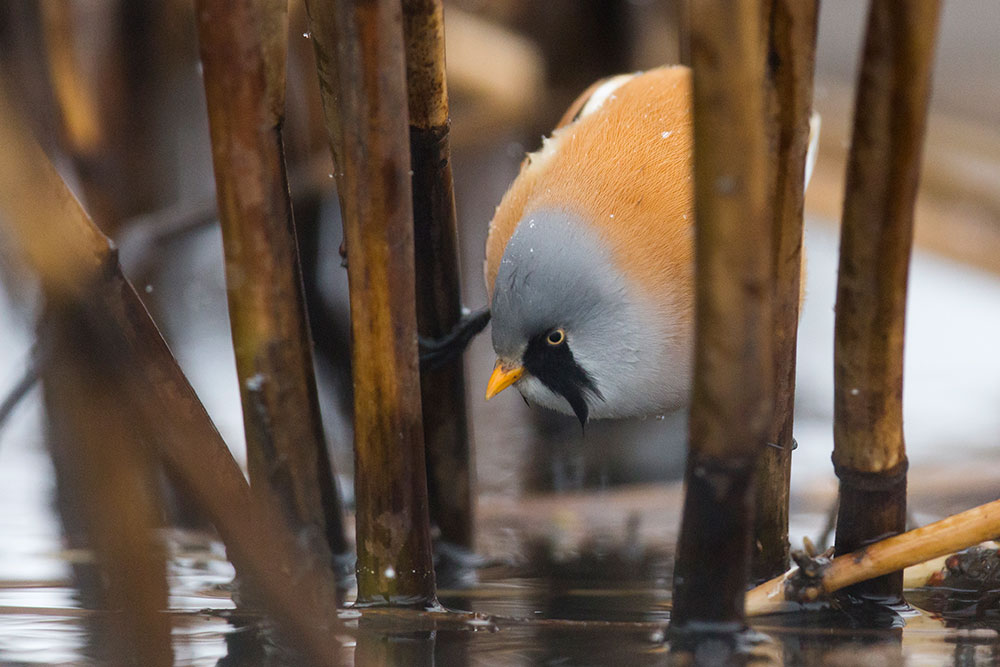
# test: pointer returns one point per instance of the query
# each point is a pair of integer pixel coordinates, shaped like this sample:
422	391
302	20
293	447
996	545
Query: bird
589	255
589	263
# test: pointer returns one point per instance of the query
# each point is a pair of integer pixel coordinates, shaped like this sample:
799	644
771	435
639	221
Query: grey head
589	342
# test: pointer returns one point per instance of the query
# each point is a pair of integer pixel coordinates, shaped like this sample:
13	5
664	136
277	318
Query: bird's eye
556	337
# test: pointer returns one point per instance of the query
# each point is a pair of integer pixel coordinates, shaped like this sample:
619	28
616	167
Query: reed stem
791	39
450	471
76	264
729	416
107	102
106	490
243	49
360	58
869	455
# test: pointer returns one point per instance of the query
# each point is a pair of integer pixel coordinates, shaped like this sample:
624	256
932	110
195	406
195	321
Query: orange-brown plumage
590	255
625	169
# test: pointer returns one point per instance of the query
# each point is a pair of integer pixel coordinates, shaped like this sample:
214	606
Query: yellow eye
556	337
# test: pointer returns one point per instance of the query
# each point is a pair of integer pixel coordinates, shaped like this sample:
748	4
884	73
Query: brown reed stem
876	237
360	58
887	556
730	409
107	495
66	251
243	48
438	282
791	40
107	101
682	16
24	62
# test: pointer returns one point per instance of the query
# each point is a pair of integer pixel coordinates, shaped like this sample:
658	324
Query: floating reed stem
791	39
876	237
243	49
888	556
77	265
438	285
360	57
107	498
730	409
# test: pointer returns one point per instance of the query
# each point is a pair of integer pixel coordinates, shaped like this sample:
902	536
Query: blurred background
114	92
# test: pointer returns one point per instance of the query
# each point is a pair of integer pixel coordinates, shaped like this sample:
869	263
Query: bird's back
622	163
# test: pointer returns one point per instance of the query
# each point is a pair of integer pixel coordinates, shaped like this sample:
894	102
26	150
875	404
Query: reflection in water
379	649
244	648
862	633
603	601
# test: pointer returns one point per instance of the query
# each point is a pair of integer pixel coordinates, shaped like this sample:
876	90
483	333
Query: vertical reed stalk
730	409
102	59
23	59
791	38
876	237
682	15
438	286
45	223
360	57
107	494
243	48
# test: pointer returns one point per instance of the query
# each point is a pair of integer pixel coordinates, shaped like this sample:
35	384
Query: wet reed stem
869	455
438	282
731	407
243	53
791	42
76	265
361	63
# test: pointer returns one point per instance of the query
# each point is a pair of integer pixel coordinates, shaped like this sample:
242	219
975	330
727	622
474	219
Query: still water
605	602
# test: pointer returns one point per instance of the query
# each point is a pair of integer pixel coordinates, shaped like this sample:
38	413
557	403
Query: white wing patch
550	144
603	92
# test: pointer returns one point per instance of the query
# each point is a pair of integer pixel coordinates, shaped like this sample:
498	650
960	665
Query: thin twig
19	390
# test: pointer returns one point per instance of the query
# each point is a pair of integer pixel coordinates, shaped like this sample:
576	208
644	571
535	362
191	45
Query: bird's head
569	331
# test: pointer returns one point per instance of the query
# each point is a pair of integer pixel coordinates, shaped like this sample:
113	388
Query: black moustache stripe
556	368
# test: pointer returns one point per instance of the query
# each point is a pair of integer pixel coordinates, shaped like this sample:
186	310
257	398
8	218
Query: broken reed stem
243	46
791	39
69	254
106	489
876	237
438	286
891	555
360	58
730	408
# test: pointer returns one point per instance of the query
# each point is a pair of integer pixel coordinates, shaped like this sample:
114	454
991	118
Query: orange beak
502	378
